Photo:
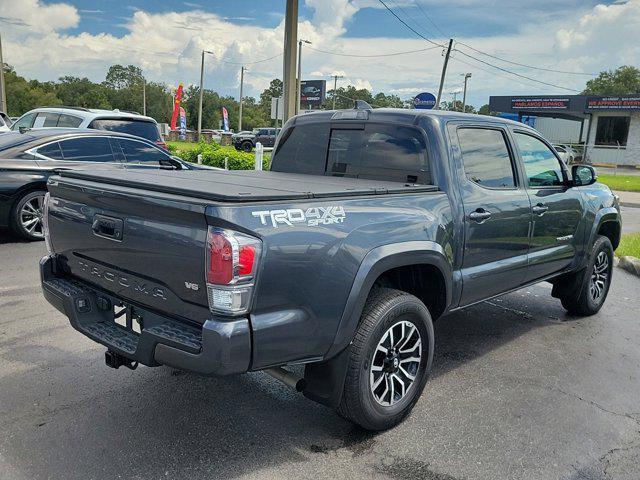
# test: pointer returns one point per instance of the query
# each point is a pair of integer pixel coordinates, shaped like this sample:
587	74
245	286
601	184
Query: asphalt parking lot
519	391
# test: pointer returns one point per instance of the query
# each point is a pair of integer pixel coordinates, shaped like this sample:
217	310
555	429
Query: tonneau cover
244	185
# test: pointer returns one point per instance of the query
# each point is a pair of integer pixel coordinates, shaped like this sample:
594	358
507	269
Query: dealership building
605	128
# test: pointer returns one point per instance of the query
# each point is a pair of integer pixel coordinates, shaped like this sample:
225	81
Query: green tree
623	80
457	107
23	95
81	92
484	110
119	77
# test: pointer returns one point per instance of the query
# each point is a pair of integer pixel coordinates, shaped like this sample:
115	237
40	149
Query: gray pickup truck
370	225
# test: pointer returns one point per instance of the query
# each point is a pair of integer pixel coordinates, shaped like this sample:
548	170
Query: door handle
480	215
540	209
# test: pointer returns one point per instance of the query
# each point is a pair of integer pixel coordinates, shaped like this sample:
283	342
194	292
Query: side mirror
583	175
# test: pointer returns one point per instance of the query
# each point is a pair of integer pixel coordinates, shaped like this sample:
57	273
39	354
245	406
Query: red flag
176	107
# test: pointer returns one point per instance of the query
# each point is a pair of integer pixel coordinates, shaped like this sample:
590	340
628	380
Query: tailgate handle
107	227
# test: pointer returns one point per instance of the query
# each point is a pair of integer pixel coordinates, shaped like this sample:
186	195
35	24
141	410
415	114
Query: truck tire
26	215
246	146
594	281
389	360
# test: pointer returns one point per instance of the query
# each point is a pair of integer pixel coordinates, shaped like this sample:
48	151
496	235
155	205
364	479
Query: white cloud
167	46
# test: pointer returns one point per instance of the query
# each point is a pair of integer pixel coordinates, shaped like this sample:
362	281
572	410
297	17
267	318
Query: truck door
497	214
557	208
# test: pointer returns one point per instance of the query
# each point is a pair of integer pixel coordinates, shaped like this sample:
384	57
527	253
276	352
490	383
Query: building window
612	131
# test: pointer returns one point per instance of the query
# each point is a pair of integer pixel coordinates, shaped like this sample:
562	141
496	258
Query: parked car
5	122
76	117
370	225
28	159
566	153
246	141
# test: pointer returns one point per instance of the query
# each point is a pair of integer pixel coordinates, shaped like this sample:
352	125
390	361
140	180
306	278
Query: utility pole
467	76
289	73
335	89
300	42
3	94
444	73
144	96
241	86
201	93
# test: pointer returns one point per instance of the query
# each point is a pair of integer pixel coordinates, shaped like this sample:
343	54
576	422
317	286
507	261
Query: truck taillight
232	261
45	223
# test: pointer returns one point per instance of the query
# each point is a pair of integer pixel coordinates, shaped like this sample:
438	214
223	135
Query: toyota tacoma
369	226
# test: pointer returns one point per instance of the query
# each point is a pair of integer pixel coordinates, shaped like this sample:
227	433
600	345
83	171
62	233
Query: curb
629	264
630	204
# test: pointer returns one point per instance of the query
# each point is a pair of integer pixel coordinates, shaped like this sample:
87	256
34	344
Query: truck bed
245	186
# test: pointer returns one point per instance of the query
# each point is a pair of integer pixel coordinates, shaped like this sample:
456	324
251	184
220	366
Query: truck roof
400	115
245	185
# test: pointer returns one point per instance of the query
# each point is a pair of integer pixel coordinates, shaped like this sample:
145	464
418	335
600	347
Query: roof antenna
362	105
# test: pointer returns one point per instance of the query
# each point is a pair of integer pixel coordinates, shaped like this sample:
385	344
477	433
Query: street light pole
201	94
241	86
300	42
144	96
467	76
335	89
3	94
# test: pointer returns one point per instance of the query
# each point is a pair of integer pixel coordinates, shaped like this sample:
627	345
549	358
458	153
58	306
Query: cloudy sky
46	39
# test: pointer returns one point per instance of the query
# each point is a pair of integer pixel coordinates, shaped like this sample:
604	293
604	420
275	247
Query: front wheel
595	281
389	360
27	215
246	147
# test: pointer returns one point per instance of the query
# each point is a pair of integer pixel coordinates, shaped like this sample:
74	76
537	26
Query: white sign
277	107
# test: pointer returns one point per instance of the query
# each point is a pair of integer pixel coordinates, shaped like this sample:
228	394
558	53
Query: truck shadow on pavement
84	420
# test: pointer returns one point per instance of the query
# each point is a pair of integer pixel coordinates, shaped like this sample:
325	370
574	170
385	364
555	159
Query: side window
46	119
69	121
140	153
51	151
541	166
26	121
87	149
486	158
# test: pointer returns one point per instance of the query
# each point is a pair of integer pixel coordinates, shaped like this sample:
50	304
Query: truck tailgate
146	250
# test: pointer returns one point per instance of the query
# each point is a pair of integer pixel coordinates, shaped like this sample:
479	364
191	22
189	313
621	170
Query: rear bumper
218	348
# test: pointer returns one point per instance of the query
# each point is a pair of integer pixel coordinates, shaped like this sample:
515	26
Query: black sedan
27	160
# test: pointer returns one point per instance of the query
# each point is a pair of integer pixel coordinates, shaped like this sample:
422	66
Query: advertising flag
183	124
225	119
176	107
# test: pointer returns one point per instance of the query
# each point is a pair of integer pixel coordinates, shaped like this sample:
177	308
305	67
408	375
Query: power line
429	18
251	63
371	56
525	65
409	26
413	20
490	72
516	74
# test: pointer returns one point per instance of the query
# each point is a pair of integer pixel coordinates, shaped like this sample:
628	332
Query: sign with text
613	103
313	92
424	100
541	103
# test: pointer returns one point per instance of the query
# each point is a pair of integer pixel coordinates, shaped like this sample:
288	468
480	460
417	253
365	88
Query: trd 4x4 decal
311	217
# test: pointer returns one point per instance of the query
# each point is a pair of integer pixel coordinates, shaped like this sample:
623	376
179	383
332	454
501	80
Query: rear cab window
139	128
373	151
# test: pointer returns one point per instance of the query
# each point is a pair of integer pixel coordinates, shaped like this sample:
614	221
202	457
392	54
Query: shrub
214	155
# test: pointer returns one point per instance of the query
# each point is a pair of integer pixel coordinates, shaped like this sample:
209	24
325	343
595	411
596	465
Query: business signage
313	92
183	124
424	100
614	103
541	103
